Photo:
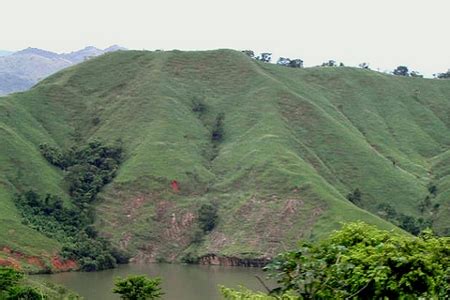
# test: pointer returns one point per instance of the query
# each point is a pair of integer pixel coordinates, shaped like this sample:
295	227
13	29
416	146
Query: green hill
291	144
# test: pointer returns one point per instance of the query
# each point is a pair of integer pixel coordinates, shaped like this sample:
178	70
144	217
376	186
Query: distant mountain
5	52
83	54
114	48
21	70
38	52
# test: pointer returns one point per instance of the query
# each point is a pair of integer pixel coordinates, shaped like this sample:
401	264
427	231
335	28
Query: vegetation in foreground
138	287
361	262
14	285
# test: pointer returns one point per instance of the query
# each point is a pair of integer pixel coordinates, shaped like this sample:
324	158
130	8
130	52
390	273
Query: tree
9	278
445	75
12	288
292	63
245	294
330	63
363	262
364	65
283	61
207	217
355	197
249	53
296	63
218	131
138	287
401	71
416	74
265	57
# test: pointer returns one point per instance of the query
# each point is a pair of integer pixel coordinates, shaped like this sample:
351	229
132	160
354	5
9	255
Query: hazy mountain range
21	70
5	52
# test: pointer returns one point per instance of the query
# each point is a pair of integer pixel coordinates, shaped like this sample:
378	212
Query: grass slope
295	142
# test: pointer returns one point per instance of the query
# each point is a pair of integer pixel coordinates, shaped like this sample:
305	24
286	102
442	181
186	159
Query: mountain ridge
20	70
295	142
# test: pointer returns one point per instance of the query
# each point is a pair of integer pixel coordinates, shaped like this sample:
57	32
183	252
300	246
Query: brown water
183	282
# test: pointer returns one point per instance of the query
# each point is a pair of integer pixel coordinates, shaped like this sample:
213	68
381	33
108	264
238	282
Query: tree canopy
360	261
363	262
138	287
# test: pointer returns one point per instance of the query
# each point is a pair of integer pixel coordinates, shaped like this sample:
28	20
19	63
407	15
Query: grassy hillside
295	142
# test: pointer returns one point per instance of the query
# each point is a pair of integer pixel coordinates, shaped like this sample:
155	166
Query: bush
355	197
401	71
207	217
217	131
88	169
25	293
12	288
363	262
245	294
138	287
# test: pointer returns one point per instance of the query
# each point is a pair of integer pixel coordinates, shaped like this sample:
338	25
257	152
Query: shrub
401	71
243	293
363	262
88	169
207	217
12	288
355	197
217	131
138	287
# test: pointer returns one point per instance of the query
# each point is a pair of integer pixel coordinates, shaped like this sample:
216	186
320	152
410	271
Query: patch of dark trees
87	170
408	223
216	127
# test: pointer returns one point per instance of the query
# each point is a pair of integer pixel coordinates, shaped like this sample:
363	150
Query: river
179	282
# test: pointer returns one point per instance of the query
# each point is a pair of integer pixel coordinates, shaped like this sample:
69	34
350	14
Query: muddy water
187	282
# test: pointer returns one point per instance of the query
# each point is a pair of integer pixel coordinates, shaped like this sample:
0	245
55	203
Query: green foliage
48	215
9	278
249	53
264	57
217	131
408	223
24	293
71	227
207	217
52	155
14	285
330	63
245	294
363	262
445	75
11	286
138	287
401	71
416	74
199	106
355	197
432	189
92	254
88	169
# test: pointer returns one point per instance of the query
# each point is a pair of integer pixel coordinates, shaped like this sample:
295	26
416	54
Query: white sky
384	33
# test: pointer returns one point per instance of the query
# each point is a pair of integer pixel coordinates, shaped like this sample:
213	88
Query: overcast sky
384	33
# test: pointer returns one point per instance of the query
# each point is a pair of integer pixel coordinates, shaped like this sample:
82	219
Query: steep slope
292	144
